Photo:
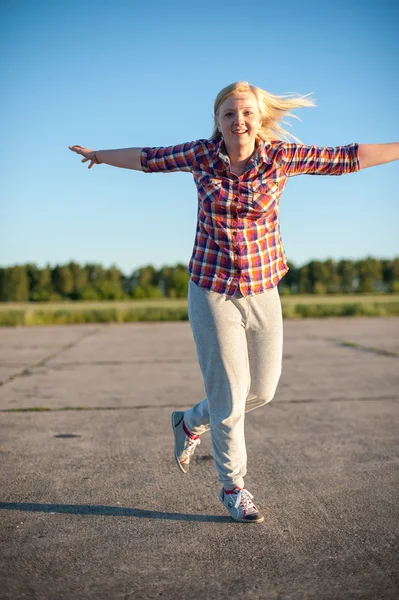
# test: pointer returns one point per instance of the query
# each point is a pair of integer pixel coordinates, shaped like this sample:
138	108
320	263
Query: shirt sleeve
313	160
171	158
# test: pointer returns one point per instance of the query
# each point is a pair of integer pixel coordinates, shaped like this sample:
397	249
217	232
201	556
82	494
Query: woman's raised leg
218	325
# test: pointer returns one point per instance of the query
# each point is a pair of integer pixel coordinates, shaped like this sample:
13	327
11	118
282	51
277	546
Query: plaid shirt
238	242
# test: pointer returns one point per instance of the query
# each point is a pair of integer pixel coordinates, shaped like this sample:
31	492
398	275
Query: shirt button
234	233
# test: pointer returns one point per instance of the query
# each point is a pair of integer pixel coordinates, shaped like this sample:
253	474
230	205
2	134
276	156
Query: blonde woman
237	261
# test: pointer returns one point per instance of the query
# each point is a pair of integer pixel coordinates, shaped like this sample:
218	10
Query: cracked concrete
93	506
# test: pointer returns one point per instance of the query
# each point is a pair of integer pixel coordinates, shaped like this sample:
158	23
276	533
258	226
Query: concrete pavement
92	505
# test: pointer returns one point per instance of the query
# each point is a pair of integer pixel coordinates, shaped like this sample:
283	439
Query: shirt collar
261	154
264	152
221	152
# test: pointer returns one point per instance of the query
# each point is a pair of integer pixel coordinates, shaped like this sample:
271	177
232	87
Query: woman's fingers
81	150
75	148
87	154
92	161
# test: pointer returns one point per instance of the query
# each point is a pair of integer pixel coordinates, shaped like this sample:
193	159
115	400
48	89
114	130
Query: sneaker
240	506
184	444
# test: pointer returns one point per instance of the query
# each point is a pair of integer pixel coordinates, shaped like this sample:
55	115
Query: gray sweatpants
239	344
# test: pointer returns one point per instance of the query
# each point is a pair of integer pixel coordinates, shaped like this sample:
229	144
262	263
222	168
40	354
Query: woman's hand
87	153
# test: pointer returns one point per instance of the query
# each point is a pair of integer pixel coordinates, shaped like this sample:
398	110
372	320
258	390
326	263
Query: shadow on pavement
110	511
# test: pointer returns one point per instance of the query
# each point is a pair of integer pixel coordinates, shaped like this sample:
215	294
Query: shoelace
244	499
191	445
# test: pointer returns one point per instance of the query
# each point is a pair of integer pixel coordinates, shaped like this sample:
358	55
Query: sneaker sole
260	520
175	451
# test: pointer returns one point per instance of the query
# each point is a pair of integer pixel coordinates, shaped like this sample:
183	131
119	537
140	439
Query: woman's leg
218	325
265	347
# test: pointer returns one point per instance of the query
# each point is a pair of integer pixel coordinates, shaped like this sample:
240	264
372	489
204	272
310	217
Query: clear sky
119	73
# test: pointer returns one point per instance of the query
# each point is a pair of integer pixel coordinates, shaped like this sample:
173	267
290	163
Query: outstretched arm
377	154
125	158
149	160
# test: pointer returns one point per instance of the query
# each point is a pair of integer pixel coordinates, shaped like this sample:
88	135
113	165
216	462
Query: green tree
387	274
113	274
146	291
179	282
95	278
370	275
112	287
95	273
318	277
347	274
80	279
395	268
62	279
34	275
146	276
390	275
2	283
173	281
145	283
395	276
304	284
333	283
289	283
89	293
44	291
110	290
14	284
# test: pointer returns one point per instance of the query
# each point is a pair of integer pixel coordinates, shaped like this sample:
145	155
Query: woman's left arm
377	154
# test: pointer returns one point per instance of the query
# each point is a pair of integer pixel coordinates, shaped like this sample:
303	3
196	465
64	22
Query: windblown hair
272	110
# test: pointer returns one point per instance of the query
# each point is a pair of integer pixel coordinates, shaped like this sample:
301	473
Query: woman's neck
238	163
239	158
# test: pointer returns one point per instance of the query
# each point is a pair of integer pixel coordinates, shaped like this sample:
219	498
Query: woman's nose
238	119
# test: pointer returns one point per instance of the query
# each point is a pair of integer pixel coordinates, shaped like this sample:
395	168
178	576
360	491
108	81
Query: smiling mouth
240	132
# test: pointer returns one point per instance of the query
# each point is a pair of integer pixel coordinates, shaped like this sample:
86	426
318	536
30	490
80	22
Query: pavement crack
335	399
111	363
89	408
184	406
362	348
26	371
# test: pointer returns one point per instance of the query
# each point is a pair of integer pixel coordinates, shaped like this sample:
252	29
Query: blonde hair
272	110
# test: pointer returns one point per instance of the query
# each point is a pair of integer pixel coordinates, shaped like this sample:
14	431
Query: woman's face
239	120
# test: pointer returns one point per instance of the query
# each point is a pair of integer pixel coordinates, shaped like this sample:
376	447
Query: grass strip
42	316
38	315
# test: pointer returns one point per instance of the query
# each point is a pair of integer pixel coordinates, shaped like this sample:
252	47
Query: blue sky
125	73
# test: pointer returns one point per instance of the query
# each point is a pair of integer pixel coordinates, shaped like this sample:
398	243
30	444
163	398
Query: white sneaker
240	506
184	445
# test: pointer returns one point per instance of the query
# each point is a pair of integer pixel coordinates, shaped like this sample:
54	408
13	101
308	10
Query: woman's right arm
125	158
149	160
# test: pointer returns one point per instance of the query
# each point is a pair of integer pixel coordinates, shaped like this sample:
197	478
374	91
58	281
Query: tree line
22	283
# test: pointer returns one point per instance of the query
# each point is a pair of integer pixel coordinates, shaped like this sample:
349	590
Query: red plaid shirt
238	242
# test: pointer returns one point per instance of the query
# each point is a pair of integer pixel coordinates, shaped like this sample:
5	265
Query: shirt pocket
210	188
213	196
264	196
